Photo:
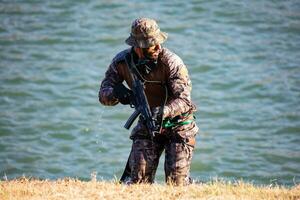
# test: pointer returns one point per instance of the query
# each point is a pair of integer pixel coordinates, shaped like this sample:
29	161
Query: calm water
244	62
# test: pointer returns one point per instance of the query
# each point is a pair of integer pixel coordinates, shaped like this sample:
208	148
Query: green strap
168	123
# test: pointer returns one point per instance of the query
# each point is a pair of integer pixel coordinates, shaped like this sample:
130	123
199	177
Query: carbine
139	101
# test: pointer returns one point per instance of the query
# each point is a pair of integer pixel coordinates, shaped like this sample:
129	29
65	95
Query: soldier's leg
178	161
144	160
125	178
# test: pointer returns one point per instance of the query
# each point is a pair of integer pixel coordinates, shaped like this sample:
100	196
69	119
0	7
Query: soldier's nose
157	47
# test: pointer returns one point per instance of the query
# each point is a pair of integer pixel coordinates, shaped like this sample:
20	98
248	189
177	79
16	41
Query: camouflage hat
145	33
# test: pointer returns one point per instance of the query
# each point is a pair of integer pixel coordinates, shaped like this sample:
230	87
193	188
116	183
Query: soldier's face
152	52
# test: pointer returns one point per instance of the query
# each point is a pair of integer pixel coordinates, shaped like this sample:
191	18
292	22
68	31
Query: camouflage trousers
144	159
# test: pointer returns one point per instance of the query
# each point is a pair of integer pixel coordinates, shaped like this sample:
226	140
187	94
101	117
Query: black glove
123	94
157	114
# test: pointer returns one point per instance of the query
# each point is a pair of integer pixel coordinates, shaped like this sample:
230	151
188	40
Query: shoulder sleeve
179	85
112	77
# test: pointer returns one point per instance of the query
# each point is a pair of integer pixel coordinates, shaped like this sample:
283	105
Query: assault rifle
140	102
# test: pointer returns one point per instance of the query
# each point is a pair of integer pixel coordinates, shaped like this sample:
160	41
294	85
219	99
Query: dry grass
74	189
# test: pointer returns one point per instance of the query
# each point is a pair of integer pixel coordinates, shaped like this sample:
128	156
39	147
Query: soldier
168	90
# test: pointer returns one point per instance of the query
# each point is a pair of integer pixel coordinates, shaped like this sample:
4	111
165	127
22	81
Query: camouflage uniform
169	81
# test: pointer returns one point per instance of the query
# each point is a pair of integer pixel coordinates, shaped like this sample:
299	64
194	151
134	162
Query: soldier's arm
106	88
180	88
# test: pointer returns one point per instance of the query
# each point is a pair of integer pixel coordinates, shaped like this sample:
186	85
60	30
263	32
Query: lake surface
243	58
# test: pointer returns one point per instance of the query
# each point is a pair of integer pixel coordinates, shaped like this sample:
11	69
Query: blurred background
243	58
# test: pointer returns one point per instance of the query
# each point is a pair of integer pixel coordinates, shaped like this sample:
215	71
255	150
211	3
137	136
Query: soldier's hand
123	94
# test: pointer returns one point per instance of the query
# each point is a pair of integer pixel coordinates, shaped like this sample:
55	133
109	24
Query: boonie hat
145	33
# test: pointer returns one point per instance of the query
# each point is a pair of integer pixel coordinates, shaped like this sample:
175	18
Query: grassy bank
75	189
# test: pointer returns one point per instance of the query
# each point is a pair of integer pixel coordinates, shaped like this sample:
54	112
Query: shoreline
70	188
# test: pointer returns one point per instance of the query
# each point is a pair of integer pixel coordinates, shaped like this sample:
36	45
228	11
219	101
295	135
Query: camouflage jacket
170	74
